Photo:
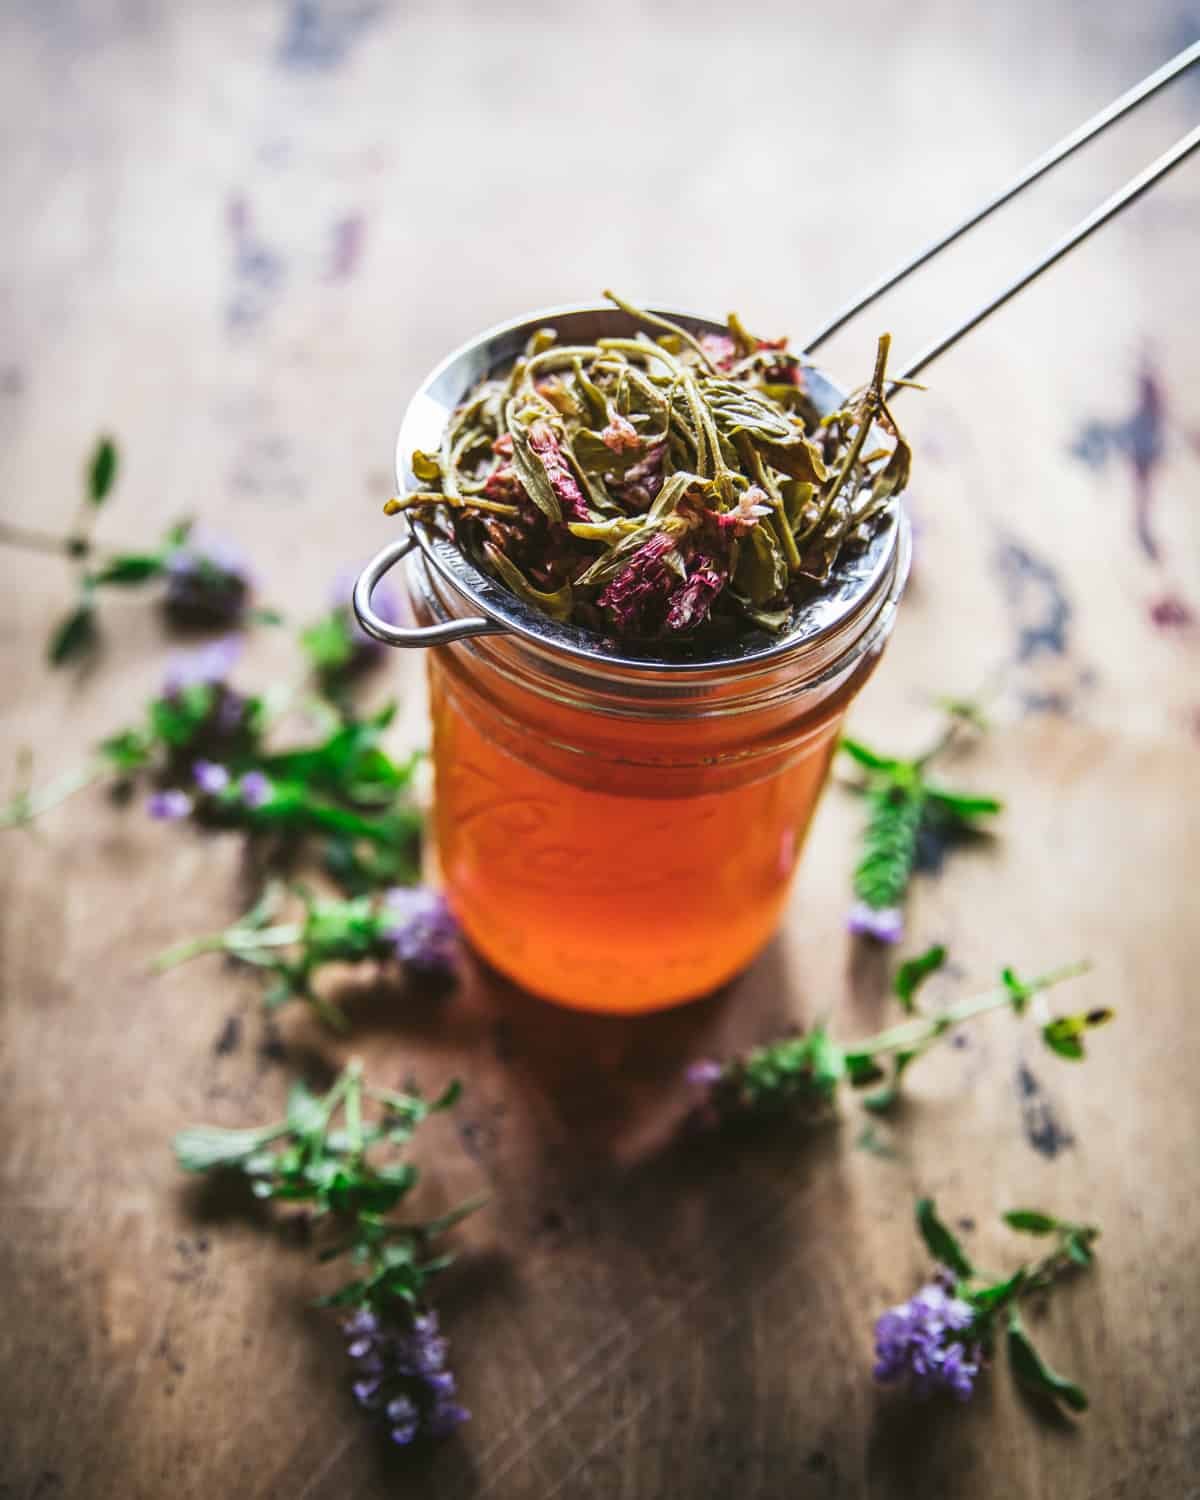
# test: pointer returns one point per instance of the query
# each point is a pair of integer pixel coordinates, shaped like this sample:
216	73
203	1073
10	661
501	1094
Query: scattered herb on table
203	747
658	489
207	581
802	1073
944	1336
908	816
393	1338
410	925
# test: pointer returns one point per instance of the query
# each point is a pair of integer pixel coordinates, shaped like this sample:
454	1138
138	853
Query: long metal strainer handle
1111	206
1036	168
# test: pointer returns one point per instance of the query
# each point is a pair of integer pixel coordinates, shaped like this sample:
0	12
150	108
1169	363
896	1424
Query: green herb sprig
802	1074
353	1199
946	1334
409	926
906	807
205	746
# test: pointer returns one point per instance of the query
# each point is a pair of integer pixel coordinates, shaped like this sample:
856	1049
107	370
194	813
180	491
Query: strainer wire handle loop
402	635
1035	169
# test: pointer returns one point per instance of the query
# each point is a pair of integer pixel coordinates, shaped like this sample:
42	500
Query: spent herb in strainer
665	487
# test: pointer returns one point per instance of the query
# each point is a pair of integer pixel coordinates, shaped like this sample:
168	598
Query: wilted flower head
401	1374
917	1340
422	928
885	925
208	582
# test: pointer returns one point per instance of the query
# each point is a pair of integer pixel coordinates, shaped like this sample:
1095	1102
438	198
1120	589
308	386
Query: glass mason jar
619	833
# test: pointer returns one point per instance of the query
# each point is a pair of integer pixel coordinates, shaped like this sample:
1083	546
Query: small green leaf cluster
333	1172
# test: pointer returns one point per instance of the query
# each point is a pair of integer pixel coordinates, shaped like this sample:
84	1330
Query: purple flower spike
255	789
422	929
885	925
169	805
210	777
409	1392
915	1341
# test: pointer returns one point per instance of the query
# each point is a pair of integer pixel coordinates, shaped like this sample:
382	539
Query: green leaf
128	751
1019	992
102	470
129	568
827	1061
1029	1221
262	616
884	1099
963	806
177	534
306	1115
1065	1034
75	635
913	973
942	1244
985	1300
328	644
867	757
1035	1375
862	1069
449	1096
205	1147
1077	1242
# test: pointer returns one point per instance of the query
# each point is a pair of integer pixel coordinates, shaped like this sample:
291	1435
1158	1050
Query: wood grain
238	236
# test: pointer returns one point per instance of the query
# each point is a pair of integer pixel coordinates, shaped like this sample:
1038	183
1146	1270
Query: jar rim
857	581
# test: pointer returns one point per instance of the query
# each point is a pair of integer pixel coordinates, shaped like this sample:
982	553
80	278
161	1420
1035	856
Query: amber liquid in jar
613	863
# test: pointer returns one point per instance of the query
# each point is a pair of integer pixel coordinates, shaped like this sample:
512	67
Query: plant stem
27	806
233	940
35	540
925	1028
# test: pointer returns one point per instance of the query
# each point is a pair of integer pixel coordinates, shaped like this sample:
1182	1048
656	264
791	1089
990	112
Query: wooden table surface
238	234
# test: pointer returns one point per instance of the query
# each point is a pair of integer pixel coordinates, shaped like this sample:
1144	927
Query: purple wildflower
168	805
208	582
916	1340
705	1072
422	929
209	665
402	1378
885	925
255	788
210	777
